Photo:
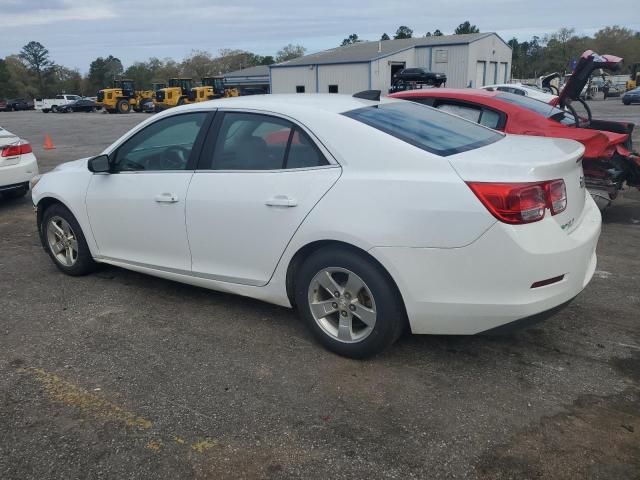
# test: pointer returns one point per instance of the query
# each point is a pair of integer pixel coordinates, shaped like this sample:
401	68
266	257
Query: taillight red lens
557	195
518	203
15	150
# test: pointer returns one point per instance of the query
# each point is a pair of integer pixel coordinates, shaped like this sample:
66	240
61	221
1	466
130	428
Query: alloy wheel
62	241
342	304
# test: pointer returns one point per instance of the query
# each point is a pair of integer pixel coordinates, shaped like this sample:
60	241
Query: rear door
259	177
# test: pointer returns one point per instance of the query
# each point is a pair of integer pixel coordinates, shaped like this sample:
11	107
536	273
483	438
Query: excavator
122	97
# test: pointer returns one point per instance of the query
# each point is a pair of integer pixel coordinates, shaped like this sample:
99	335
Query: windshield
539	107
425	127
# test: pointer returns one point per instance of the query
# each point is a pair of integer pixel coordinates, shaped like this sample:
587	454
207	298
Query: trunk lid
519	159
589	61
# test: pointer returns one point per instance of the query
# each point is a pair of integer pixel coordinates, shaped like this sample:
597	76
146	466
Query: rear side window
425	127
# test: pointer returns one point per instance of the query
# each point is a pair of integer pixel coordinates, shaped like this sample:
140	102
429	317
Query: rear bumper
19	173
463	291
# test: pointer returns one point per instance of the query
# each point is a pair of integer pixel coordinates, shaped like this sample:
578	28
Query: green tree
350	40
385	37
102	72
267	60
437	33
289	52
466	27
7	88
198	64
403	32
36	57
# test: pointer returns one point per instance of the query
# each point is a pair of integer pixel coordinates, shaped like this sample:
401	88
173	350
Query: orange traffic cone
48	144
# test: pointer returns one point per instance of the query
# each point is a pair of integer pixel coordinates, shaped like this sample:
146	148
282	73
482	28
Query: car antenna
368	95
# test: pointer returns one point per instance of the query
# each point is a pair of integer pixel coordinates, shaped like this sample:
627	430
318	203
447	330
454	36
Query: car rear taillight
518	203
557	196
15	150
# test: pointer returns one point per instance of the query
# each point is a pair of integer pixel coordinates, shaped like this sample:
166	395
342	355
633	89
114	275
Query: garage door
502	73
481	68
492	74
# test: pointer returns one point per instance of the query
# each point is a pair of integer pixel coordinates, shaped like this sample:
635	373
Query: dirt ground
119	375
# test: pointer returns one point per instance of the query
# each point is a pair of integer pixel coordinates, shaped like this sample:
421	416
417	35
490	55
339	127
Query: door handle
281	201
166	198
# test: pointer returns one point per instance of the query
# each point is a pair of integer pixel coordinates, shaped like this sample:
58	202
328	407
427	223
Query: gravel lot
119	375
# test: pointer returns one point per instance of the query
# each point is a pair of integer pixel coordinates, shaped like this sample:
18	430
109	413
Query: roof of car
283	103
443	92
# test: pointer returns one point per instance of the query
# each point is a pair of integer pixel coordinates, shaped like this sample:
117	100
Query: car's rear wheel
348	302
64	241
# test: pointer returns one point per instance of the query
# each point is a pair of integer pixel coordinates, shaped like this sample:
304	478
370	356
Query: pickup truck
51	104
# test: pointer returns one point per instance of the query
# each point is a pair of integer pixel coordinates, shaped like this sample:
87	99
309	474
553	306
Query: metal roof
257	71
367	51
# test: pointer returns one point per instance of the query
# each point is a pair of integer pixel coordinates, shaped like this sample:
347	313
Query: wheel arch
305	251
43	204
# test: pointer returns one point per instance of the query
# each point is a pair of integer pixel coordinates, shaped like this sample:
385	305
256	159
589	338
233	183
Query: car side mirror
99	164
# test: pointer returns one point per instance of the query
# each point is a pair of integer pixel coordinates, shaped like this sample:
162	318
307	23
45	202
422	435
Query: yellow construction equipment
178	92
217	89
122	97
634	76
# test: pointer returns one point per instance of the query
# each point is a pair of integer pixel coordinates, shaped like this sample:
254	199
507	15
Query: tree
466	27
385	37
198	64
36	57
267	60
6	85
350	40
403	32
102	71
437	33
289	52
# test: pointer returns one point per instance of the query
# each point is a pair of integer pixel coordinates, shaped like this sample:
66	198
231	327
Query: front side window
249	141
163	145
425	127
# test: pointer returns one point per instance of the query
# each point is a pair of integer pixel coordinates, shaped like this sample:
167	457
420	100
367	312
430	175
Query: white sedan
369	216
18	165
524	90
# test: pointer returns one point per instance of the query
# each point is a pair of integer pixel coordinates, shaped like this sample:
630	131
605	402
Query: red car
608	160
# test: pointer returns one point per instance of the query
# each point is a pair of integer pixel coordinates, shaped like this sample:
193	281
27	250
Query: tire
45	110
17	193
626	102
123	106
377	294
83	262
54	109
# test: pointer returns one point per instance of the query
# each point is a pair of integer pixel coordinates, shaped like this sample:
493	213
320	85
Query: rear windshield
425	127
539	107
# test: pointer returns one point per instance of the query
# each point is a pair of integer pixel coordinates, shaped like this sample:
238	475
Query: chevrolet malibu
369	215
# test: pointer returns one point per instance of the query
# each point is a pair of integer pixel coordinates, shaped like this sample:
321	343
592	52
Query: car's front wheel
64	241
349	303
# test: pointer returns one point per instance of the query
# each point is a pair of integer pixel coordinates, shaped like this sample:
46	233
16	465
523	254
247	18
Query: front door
259	181
137	212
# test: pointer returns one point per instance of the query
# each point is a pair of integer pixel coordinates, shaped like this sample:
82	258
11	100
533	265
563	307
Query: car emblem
582	182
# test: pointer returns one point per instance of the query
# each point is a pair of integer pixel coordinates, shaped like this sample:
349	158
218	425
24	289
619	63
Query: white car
524	90
18	165
367	215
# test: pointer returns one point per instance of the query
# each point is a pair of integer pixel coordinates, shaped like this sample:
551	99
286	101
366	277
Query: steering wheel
175	158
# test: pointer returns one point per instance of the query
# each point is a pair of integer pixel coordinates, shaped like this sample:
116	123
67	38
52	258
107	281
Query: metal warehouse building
474	60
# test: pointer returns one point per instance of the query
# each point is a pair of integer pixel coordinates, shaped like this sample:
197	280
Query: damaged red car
609	160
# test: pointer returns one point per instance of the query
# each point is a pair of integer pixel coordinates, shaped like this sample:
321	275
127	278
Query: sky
78	31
